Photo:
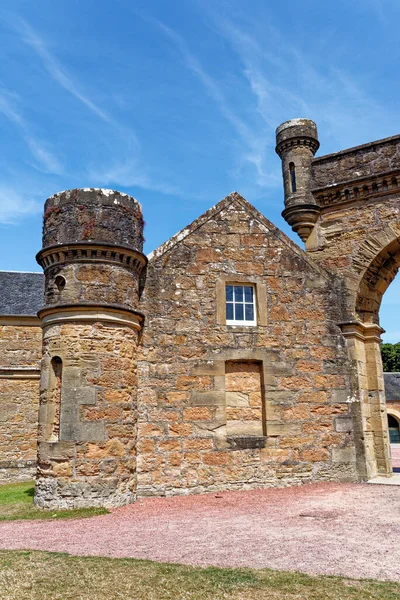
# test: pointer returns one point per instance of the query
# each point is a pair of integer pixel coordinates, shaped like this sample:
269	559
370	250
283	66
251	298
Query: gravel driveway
341	529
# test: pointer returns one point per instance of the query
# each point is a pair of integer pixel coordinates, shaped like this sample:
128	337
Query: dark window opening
60	282
394	431
292	171
55	398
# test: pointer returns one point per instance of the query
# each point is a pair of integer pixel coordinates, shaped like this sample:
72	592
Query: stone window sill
244	442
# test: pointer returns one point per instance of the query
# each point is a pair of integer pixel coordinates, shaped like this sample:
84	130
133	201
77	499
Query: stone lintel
90	313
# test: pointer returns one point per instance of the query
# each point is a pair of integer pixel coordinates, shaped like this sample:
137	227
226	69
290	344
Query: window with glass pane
240	305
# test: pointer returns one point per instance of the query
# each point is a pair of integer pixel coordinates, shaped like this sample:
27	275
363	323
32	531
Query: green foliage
391	357
16	502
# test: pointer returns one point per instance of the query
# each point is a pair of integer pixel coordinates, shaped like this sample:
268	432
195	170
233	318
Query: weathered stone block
344	455
343	423
207	398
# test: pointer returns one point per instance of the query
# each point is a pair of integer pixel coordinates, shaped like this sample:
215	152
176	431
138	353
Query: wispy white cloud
125	167
254	141
14	205
45	159
49	162
129	174
32	38
285	83
60	75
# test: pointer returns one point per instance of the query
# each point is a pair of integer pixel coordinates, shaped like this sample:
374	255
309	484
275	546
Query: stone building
392	393
229	358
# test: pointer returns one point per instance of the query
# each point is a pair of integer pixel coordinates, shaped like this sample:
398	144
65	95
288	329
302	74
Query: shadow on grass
30	491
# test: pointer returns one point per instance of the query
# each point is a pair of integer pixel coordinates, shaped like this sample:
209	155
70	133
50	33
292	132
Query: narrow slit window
292	171
55	398
240	305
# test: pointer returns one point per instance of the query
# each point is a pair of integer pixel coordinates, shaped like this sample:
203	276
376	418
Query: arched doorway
394	429
363	336
380	429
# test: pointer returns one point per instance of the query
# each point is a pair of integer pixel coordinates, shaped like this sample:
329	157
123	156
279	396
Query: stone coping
20	320
75	313
355	149
19	373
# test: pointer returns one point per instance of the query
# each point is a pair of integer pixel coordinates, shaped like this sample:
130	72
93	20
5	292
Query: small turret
296	144
92	260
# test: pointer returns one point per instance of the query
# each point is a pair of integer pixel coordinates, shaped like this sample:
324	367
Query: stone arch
375	281
375	267
394	413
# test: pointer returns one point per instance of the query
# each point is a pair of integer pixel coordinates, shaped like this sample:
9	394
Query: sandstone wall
87	449
92	260
189	396
373	159
20	351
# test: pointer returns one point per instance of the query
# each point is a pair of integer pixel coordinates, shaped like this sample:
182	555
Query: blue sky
176	103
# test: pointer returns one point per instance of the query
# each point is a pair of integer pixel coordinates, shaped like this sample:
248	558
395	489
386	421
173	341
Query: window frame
241	322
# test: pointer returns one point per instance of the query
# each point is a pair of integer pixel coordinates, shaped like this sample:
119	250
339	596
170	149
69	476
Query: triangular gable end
253	213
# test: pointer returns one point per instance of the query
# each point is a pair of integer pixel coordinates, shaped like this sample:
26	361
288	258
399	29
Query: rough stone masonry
230	358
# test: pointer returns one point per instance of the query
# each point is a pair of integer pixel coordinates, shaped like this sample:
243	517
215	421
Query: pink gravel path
341	529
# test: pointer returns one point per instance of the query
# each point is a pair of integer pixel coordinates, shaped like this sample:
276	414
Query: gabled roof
392	386
252	212
21	293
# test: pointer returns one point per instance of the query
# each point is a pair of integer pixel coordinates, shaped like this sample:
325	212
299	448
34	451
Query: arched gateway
345	207
227	359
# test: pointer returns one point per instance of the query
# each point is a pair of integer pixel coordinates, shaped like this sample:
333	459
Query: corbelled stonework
148	387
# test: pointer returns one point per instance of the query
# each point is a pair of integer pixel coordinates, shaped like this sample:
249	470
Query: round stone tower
93	262
296	144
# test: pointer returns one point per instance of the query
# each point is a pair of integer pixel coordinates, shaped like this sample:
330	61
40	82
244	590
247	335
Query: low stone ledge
17	464
243	442
19	373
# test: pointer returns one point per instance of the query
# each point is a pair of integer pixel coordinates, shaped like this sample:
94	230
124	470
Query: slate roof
21	293
392	386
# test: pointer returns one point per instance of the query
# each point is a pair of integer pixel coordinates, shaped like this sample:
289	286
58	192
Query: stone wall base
321	472
17	471
92	493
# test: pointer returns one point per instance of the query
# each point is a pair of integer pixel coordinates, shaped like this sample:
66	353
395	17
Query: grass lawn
16	502
43	575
